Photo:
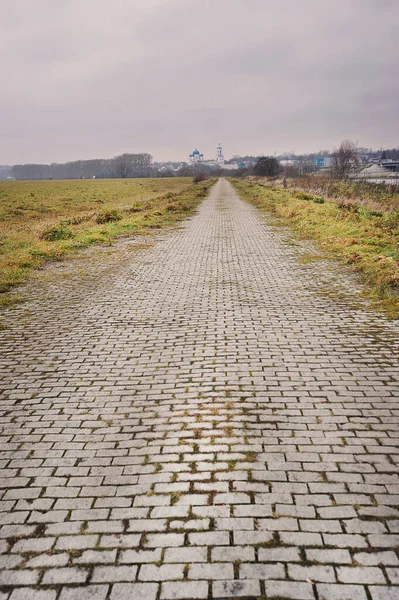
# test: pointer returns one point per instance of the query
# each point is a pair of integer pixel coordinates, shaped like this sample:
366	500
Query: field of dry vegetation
42	221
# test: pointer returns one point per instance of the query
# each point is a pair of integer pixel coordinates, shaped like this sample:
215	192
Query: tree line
122	166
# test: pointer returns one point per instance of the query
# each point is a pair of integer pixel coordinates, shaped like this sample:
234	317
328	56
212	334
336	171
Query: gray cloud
88	78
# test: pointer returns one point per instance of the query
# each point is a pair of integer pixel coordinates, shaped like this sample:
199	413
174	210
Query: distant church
196	157
219	156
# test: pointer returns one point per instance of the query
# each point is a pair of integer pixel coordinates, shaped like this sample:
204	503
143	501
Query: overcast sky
95	78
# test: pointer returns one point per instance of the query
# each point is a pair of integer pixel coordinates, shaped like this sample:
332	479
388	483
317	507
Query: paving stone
236	589
332	591
88	592
261	571
384	593
328	556
233	553
72	542
393	575
20	594
163	540
360	575
211	571
279	554
140	556
376	558
96	557
65	575
184	589
113	573
312	573
48	560
20	577
162	573
34	545
186	555
287	589
134	591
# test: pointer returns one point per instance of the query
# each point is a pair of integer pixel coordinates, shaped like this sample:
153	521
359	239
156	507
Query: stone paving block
291	554
211	571
48	560
261	571
20	577
361	575
209	538
34	545
376	558
312	573
88	592
96	557
20	594
114	573
186	555
332	591
384	593
233	553
393	575
134	591
65	575
78	542
289	589
140	556
184	589
301	538
163	540
126	540
345	540
328	556
235	589
162	573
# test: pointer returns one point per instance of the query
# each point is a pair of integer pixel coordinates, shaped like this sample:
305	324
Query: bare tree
304	165
345	160
123	165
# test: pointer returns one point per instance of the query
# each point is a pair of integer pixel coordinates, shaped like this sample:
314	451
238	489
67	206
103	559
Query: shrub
303	196
57	232
107	216
199	177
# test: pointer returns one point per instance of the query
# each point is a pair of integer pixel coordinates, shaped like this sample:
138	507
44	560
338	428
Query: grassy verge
366	239
378	197
45	221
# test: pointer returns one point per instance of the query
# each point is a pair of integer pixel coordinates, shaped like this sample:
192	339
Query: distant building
378	172
219	156
195	157
380	169
322	162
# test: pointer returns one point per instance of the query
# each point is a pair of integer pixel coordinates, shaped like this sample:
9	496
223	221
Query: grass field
45	220
377	197
353	232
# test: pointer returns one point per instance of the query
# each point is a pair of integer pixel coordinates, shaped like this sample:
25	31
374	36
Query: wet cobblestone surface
209	418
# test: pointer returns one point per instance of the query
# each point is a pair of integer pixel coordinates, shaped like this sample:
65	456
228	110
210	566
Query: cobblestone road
215	419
